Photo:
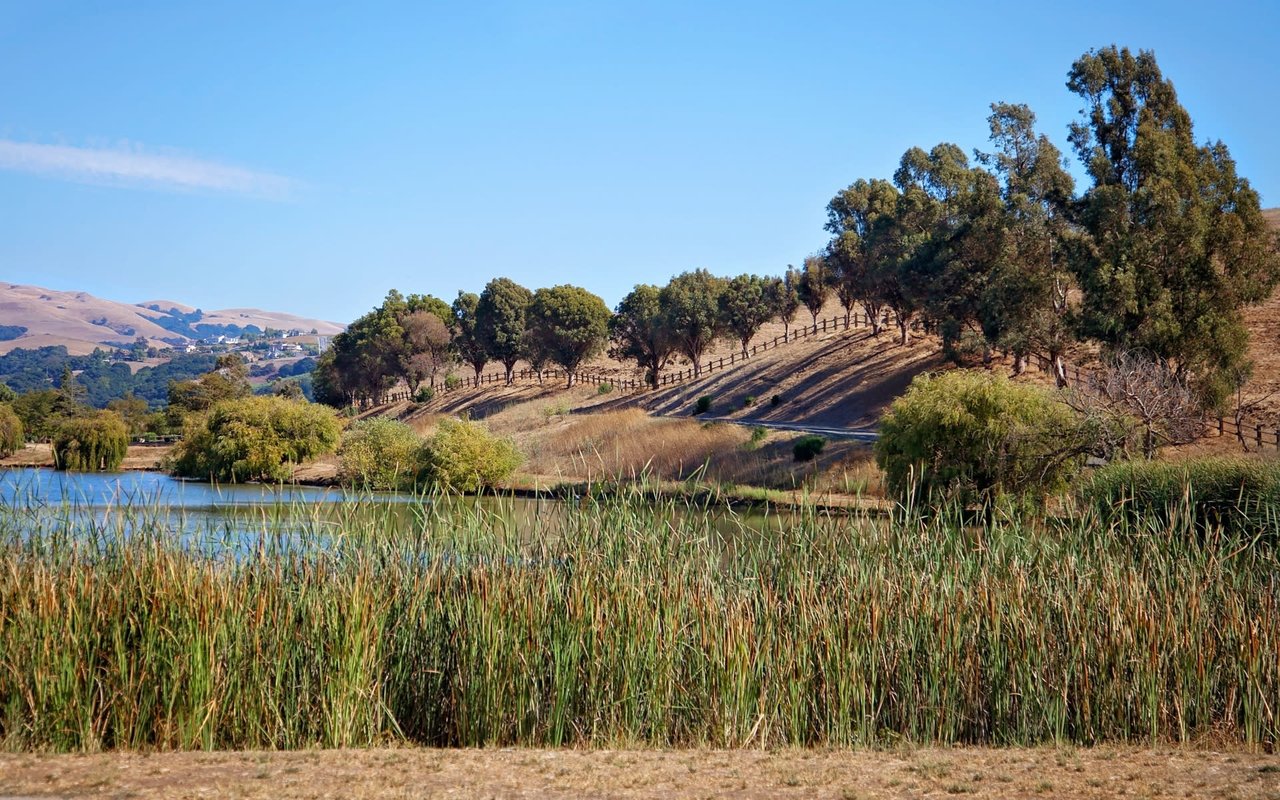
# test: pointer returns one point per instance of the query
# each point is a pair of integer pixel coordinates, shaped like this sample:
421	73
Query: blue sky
307	157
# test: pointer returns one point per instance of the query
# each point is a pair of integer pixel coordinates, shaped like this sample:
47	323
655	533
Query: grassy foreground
615	622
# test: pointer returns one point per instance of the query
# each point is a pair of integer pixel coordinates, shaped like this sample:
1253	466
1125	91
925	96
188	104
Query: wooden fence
499	378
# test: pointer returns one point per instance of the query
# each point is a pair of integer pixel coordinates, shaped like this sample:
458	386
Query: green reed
627	621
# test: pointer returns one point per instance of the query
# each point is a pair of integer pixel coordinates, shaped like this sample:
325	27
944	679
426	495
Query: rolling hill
31	317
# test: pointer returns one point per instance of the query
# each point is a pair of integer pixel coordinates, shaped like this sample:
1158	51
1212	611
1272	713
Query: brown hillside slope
82	322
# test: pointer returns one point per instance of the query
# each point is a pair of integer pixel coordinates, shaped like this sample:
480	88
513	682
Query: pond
124	500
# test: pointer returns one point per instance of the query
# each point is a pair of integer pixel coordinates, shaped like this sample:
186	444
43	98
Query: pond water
252	510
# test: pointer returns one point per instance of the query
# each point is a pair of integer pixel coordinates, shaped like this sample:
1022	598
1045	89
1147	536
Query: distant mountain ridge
32	317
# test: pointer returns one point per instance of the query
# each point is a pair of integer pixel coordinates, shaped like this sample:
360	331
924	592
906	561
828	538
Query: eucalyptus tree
860	220
1025	307
783	299
814	285
1176	243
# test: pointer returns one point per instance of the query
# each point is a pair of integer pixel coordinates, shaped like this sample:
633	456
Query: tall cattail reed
612	621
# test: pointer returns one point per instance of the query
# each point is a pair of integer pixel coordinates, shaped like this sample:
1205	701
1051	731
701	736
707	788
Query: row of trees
1157	256
417	338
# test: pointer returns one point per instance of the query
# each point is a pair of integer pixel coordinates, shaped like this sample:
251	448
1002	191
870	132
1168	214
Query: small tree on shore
94	442
11	433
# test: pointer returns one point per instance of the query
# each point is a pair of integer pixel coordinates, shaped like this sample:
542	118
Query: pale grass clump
630	443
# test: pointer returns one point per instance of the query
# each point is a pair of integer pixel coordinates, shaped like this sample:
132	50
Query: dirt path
660	775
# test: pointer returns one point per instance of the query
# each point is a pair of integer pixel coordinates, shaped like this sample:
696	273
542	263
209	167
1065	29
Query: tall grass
615	622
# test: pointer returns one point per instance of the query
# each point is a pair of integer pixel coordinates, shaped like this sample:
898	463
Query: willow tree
1176	243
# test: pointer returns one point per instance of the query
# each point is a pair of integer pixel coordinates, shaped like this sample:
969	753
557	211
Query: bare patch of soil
660	775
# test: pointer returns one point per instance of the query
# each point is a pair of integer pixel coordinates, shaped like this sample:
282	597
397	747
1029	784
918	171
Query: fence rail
1246	431
496	378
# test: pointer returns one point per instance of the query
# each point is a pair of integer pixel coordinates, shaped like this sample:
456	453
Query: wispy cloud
134	166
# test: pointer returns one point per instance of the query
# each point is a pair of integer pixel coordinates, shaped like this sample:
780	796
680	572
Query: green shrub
748	401
255	439
604	388
758	435
808	447
463	456
776	400
452	381
1235	494
425	394
381	454
702	405
90	443
11	432
973	437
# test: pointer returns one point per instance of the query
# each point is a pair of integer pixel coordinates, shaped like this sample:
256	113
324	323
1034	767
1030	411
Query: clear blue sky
308	156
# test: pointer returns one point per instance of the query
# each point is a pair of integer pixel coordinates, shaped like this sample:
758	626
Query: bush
776	400
452	381
463	456
748	401
381	454
90	443
702	405
808	447
11	432
1235	494
255	439
604	388
425	394
972	437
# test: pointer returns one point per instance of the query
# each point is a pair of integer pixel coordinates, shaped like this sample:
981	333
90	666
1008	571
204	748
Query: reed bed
618	622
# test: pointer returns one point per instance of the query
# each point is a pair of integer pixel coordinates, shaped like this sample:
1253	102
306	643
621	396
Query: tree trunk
1019	364
904	327
1059	371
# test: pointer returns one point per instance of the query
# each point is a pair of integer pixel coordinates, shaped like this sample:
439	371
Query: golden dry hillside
82	322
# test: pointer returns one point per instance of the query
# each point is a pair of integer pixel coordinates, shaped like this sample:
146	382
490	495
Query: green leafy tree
814	285
133	410
501	321
12	434
7	395
691	306
467	340
744	308
38	412
971	437
638	332
781	298
949	227
229	379
569	324
1025	303
861	250
1176	243
93	442
255	439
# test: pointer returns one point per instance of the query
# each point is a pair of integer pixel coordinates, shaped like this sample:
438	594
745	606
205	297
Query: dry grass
1099	772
